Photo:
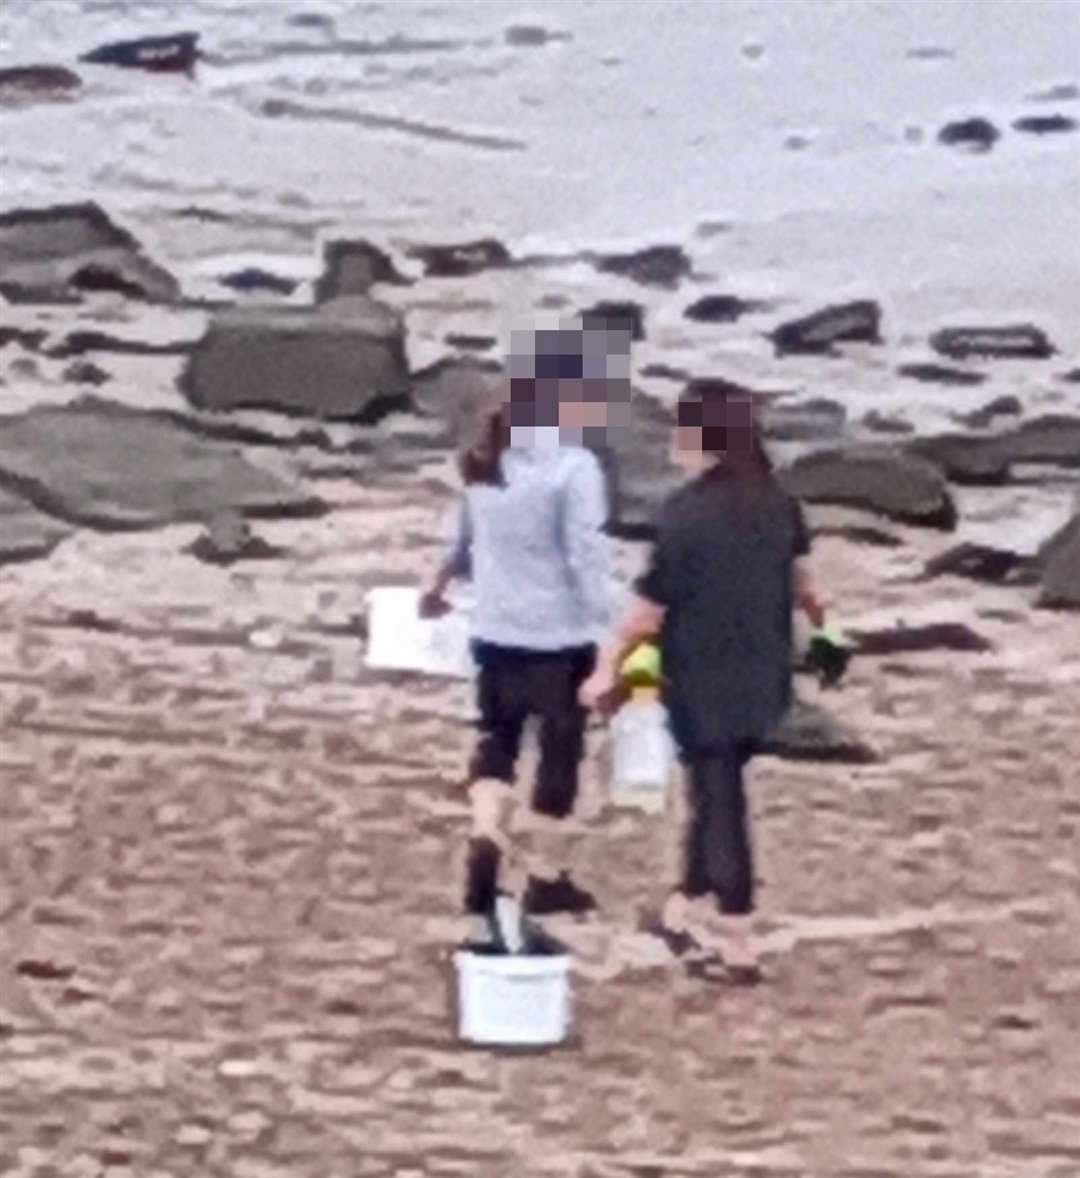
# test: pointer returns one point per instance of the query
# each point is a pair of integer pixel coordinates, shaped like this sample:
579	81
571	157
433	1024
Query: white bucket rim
513	964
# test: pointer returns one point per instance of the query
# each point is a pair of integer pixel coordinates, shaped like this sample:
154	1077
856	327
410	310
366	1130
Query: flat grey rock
25	532
809	733
880	479
343	360
55	253
102	465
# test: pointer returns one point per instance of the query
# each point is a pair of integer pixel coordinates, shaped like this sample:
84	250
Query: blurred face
708	433
583	404
687	451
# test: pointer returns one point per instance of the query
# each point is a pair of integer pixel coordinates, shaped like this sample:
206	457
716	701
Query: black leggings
718	852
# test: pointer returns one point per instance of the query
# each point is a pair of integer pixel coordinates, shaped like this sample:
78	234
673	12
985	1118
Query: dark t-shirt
722	568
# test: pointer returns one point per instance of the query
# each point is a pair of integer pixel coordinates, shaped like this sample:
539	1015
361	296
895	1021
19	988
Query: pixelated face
708	430
570	378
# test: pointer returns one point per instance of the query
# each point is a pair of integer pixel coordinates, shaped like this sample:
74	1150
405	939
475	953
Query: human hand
598	688
433	604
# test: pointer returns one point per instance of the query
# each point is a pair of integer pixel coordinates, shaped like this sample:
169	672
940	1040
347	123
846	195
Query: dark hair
480	456
533	401
728	416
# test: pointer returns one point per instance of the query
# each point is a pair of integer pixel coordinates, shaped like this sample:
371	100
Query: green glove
828	655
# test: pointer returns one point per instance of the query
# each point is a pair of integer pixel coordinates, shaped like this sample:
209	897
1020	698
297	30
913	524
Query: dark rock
930	53
967	461
102	465
343	360
708	229
1045	124
86	372
471	343
978	562
44	971
78	343
875	478
1060	557
882	424
28	82
311	20
856	322
228	538
656	265
810	734
1052	438
18	295
453	390
1072	376
1061	92
818	419
97	279
25	532
940	374
1020	341
665	372
913	639
857	534
31	340
459	261
1006	406
175	53
47	253
252	279
721	309
977	135
627	317
25	367
531	36
636	458
353	268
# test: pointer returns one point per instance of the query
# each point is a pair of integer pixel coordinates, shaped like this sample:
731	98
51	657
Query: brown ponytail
480	458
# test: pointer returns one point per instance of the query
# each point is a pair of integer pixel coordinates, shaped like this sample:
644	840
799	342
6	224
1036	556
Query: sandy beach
230	852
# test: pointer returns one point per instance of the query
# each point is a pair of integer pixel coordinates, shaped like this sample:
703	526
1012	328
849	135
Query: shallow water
560	127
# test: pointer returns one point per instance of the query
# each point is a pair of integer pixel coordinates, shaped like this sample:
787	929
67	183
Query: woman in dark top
720	589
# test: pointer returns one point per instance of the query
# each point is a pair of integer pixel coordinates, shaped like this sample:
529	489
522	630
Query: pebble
192	1135
239	1068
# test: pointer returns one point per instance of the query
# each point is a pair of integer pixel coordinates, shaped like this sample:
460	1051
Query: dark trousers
718	852
516	684
513	685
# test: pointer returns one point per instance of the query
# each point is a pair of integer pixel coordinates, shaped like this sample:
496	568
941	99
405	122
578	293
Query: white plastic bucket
513	999
642	753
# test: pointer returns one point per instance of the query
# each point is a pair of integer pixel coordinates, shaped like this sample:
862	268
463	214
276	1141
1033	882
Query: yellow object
642	664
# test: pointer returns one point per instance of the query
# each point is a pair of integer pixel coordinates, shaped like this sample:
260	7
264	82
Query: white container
513	999
643	752
399	639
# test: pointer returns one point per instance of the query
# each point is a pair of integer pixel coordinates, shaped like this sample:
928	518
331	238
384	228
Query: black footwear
481	877
545	897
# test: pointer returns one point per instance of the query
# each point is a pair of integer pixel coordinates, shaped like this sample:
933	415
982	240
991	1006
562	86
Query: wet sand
229	892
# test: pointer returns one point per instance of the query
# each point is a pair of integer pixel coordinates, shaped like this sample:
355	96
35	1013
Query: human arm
457	564
587	548
804	588
806	595
642	619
